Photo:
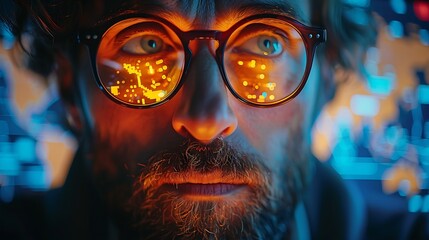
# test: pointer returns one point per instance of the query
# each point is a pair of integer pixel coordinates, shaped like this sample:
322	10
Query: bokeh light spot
399	6
396	29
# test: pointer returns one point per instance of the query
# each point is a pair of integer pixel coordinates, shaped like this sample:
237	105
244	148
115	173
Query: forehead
219	14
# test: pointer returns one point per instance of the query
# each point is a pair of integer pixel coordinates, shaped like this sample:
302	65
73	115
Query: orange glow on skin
221	22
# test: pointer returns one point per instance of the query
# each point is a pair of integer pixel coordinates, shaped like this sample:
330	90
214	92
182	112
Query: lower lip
207	190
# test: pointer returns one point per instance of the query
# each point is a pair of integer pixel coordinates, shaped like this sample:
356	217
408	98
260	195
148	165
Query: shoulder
335	209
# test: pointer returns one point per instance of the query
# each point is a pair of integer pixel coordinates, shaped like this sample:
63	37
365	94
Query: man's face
203	164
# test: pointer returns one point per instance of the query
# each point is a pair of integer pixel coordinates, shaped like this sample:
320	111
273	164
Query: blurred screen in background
375	132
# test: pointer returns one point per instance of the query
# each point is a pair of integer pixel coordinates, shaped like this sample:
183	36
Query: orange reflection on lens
265	61
146	85
136	73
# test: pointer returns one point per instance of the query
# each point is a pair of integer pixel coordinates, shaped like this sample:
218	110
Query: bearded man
194	117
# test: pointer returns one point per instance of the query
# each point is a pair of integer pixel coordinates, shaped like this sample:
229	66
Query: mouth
204	186
198	191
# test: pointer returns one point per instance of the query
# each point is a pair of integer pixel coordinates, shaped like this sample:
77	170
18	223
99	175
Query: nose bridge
197	39
203	111
204	86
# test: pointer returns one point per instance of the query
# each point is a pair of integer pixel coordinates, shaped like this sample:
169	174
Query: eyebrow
281	8
233	14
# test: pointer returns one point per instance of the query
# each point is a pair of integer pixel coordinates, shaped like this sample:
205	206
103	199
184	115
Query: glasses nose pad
196	44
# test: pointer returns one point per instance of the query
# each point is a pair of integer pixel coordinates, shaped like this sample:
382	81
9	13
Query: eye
269	45
263	45
142	45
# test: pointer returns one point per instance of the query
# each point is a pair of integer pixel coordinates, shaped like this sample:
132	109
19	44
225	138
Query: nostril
229	130
204	131
181	129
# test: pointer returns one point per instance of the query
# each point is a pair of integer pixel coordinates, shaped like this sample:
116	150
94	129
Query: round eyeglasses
140	60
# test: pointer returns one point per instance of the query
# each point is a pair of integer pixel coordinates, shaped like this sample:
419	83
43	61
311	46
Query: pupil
267	43
151	43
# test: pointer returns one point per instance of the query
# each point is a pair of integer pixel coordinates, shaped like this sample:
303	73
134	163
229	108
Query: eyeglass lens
265	60
141	61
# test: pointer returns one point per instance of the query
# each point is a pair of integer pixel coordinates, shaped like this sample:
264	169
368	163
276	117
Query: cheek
269	129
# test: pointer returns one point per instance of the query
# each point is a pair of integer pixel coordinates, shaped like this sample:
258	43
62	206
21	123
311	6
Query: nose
203	112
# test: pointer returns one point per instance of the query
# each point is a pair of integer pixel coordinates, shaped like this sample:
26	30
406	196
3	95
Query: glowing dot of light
135	86
398	6
271	86
263	66
117	72
169	79
132	90
245	83
424	36
272	97
138	101
256	86
127	90
421	9
151	71
261	76
125	95
135	95
415	203
139	61
252	64
155	84
160	61
147	64
396	29
163	77
114	90
123	82
118	82
240	63
264	94
164	67
161	94
160	69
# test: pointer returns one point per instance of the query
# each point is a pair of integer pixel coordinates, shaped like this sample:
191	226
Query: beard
148	205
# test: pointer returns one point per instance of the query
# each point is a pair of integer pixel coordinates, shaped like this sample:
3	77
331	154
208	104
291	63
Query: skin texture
202	135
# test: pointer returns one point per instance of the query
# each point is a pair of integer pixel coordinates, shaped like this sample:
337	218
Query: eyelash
124	39
247	34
